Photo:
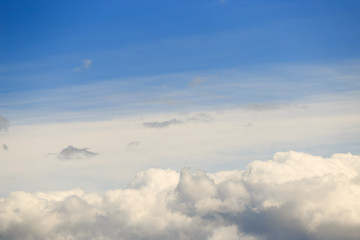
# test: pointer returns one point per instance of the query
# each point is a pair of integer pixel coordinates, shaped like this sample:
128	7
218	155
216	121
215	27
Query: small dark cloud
71	153
163	124
5	147
4	124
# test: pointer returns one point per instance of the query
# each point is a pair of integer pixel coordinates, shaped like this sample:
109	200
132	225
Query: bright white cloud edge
292	196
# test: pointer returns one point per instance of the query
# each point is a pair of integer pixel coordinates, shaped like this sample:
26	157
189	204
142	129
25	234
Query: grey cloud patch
4	124
70	153
5	147
163	124
292	196
200	117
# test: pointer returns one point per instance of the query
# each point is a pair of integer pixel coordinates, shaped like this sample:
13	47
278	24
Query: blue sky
43	41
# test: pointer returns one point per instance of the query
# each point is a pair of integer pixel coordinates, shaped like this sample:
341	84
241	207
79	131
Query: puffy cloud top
293	196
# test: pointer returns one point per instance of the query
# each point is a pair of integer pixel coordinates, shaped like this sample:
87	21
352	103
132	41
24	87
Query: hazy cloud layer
70	153
293	196
4	124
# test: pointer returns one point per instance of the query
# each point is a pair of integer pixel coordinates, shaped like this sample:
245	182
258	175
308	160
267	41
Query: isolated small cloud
5	147
71	153
292	196
86	63
196	81
200	117
163	124
4	124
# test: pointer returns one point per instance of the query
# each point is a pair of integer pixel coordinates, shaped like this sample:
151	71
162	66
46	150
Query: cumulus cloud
4	124
70	153
292	196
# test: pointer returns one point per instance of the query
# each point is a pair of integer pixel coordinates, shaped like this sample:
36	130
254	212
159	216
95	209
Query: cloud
4	124
5	147
264	107
163	124
86	63
196	81
292	196
70	153
199	117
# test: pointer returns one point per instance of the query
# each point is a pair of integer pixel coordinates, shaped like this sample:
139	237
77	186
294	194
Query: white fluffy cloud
293	196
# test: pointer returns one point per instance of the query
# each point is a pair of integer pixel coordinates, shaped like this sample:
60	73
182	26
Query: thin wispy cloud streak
292	196
277	84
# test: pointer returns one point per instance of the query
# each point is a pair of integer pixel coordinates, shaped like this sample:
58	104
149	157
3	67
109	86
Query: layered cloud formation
293	196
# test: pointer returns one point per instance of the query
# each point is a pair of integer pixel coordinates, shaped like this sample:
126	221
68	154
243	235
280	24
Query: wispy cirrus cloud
200	117
86	63
162	124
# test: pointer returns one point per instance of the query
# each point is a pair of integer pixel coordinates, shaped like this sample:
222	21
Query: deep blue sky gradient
41	42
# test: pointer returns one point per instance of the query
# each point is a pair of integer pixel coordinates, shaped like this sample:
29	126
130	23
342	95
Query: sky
209	119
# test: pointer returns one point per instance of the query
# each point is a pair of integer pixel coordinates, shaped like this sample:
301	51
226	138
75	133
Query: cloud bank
293	196
70	153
